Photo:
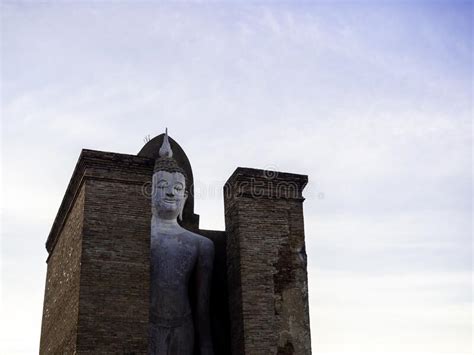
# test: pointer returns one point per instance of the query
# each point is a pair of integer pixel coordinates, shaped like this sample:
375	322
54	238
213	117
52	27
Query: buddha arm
203	293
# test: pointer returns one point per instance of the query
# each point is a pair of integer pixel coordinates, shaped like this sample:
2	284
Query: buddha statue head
168	184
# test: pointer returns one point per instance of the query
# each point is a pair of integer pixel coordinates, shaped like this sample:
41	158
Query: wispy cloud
372	100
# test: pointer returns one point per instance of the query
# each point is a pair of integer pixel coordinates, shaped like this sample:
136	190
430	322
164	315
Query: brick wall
97	287
61	297
97	290
268	292
114	299
101	238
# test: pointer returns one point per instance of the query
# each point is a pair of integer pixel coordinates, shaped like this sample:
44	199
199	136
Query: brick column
266	262
97	287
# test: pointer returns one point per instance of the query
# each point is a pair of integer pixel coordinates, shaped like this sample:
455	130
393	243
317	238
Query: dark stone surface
220	323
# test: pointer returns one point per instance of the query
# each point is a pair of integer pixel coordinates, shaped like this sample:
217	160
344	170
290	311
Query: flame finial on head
165	150
165	160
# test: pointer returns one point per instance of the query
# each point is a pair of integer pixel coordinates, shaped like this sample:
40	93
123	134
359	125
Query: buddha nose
170	193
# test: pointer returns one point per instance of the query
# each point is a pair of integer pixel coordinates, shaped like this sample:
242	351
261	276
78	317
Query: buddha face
169	194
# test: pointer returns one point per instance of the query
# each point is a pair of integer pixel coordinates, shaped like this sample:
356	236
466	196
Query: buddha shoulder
205	244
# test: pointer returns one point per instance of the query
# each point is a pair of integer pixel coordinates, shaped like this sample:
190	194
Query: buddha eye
178	187
162	184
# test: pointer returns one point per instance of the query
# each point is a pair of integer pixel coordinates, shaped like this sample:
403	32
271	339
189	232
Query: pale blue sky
373	100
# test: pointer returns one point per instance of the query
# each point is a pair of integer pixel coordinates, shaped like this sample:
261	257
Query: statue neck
164	226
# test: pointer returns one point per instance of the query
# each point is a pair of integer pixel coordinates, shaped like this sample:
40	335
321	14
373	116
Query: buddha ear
181	207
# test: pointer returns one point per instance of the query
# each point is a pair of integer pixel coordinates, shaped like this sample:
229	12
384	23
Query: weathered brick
97	289
61	297
97	286
268	292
